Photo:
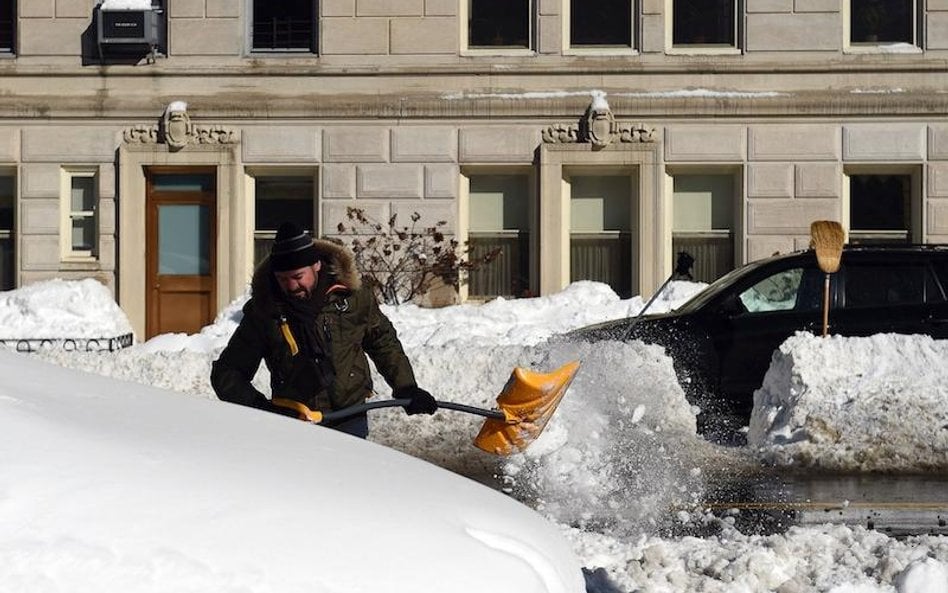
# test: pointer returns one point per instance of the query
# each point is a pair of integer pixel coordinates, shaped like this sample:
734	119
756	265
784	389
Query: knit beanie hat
292	249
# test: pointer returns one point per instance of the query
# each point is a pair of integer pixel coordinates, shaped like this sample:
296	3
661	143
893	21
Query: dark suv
722	340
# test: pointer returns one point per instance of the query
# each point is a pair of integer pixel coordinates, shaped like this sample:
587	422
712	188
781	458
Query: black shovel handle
402	402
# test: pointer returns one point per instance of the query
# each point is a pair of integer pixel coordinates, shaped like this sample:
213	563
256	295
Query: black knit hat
292	249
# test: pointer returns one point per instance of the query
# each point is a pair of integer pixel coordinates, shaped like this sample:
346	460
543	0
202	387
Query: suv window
878	285
941	269
777	292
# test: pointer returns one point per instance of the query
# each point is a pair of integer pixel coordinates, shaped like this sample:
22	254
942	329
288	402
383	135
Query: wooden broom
827	238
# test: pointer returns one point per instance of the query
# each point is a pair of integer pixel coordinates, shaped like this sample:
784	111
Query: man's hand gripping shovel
525	405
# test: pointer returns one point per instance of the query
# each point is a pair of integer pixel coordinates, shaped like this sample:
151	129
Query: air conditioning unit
127	26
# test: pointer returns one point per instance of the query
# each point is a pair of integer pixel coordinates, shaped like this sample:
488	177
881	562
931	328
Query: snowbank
855	404
61	309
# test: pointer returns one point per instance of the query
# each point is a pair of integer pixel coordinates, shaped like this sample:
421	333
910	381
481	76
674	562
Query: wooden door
181	258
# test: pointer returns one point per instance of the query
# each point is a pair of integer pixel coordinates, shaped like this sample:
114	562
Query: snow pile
622	447
831	559
526	321
61	309
125	5
866	404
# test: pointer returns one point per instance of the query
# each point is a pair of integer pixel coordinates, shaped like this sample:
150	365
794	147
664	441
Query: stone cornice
251	106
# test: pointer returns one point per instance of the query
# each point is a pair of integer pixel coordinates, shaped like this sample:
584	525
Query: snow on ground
621	452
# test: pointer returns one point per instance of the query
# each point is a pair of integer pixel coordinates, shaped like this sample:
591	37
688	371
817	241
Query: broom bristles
827	238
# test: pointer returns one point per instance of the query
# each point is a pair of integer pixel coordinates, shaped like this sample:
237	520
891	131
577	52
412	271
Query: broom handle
826	304
401	402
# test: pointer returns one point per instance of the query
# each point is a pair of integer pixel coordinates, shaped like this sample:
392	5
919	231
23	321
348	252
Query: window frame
603	50
708	49
916	230
918	28
464	34
315	37
68	252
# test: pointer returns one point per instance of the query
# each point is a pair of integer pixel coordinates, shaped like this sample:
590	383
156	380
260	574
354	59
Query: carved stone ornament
176	125
176	130
598	127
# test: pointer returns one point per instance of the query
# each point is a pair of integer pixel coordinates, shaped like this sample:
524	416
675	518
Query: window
880	208
941	271
79	233
704	23
778	292
879	286
601	230
703	222
7	228
499	24
600	23
875	22
283	26
7	26
278	199
500	219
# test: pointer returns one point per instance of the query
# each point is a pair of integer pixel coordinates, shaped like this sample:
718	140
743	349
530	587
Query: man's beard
302	293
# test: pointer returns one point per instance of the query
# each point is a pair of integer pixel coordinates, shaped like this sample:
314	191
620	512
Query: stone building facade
589	140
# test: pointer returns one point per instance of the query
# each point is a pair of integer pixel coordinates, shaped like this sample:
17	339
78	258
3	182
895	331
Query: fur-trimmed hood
338	262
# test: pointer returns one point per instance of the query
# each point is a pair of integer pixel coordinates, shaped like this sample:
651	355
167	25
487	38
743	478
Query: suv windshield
719	285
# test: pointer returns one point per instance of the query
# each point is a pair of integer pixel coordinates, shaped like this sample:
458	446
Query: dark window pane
7	25
933	291
941	270
875	286
6	203
879	202
283	199
83	233
6	263
286	25
882	21
172	182
261	249
601	22
703	22
499	23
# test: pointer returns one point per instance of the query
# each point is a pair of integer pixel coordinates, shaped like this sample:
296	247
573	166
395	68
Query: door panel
766	311
181	262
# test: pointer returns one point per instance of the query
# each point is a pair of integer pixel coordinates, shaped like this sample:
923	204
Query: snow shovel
525	404
827	238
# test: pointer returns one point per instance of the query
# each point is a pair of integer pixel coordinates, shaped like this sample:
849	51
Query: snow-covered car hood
111	486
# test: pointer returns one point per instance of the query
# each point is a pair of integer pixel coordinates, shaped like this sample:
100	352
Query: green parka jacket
349	326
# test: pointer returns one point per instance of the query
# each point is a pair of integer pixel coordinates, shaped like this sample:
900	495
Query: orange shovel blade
528	400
